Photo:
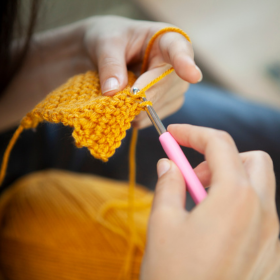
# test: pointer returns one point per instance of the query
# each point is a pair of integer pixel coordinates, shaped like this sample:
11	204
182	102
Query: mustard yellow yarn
61	225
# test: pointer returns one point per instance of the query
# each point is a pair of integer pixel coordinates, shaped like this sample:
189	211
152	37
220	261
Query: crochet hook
175	153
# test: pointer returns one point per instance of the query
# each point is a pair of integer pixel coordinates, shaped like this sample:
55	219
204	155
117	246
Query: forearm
53	57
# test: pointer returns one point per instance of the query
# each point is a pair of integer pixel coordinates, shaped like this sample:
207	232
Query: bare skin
233	233
108	44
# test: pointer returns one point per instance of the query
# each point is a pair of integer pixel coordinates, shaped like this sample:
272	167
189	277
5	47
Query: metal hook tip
135	90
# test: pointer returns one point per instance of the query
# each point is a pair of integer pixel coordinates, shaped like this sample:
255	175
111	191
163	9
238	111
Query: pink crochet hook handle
175	153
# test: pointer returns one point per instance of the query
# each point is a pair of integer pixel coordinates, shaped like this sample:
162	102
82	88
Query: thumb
112	68
170	189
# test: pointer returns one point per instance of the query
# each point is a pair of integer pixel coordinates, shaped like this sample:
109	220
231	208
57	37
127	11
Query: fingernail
162	167
201	76
110	84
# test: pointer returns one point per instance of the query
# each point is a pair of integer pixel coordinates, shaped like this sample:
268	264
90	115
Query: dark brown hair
12	27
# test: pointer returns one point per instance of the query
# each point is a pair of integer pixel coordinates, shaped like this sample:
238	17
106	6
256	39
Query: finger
203	173
220	153
166	89
149	76
259	168
111	65
170	190
178	52
167	96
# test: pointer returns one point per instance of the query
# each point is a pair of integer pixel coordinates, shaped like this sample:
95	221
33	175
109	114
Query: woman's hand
115	44
108	44
233	233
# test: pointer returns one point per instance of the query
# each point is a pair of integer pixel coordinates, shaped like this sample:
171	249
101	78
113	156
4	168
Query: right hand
233	233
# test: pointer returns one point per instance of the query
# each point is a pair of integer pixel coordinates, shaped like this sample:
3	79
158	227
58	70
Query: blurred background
236	43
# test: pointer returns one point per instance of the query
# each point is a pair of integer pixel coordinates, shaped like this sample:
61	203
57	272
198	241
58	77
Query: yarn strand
130	209
8	152
152	40
167	72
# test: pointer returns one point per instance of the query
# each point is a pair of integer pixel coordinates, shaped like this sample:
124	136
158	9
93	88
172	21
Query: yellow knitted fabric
99	122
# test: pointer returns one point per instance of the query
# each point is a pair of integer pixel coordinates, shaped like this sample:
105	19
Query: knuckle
112	38
181	46
177	46
219	135
106	61
224	136
157	26
263	158
247	200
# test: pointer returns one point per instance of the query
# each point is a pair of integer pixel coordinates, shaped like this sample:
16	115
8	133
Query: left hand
108	44
115	44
